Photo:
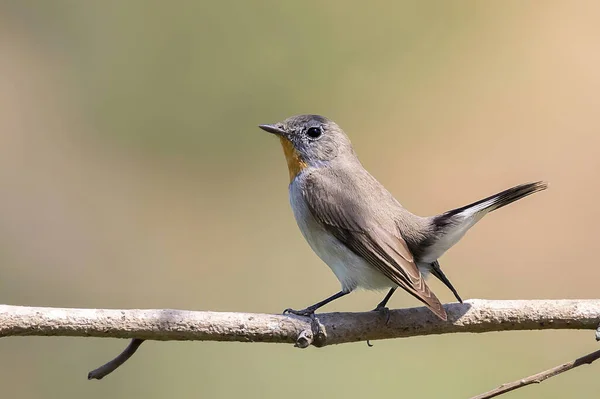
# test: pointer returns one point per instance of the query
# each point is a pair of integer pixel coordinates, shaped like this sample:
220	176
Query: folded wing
351	221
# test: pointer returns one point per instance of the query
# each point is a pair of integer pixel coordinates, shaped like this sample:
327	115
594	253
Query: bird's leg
382	308
436	270
385	300
310	311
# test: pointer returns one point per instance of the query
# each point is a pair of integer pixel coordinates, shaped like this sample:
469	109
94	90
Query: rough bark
474	316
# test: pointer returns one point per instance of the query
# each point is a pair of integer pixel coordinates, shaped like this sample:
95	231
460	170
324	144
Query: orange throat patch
294	162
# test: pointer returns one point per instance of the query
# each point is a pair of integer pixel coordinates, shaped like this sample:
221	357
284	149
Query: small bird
358	228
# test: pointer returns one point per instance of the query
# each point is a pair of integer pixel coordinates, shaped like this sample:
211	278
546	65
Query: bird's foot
308	312
317	333
385	312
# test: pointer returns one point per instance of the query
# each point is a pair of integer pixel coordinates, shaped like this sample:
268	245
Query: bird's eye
314	132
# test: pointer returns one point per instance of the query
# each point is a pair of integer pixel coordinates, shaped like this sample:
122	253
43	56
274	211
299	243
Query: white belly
351	270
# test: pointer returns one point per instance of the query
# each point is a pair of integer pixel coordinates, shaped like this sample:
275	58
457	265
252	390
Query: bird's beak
273	129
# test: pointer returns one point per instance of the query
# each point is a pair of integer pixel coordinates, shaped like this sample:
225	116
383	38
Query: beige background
132	174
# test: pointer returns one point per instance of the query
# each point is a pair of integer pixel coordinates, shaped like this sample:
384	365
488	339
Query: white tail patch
452	235
486	206
454	224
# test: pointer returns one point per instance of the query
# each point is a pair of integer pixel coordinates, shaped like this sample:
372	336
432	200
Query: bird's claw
318	331
304	312
385	311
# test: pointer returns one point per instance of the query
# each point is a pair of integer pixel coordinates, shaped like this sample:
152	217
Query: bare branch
114	364
474	316
539	377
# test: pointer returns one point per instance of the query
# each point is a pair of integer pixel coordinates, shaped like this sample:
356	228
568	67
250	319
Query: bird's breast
351	270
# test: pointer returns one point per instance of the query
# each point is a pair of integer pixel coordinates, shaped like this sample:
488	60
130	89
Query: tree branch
539	377
114	364
474	316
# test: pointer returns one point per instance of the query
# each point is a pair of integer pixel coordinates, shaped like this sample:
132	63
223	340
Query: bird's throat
294	161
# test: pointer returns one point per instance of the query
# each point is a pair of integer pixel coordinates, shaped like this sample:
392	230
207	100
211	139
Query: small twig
114	364
539	377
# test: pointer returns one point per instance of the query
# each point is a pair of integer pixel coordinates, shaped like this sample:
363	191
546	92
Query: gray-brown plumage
357	227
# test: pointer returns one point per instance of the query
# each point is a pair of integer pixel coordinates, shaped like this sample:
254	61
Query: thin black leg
382	304
436	270
309	311
383	309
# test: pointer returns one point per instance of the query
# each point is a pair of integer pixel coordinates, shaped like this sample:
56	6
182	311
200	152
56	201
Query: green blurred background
132	175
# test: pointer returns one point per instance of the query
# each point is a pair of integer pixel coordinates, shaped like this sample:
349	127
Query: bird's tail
449	227
499	200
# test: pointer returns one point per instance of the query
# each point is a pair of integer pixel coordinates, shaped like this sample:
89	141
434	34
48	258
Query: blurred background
132	175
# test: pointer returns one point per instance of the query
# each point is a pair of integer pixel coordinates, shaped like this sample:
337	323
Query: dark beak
273	129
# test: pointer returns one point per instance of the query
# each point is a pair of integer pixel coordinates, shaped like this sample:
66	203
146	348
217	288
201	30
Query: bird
358	228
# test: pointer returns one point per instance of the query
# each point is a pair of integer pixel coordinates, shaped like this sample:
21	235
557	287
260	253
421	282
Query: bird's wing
352	222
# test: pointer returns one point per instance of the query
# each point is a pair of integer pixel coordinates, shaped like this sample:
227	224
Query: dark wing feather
351	222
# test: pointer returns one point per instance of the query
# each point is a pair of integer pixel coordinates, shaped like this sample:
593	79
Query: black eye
314	132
